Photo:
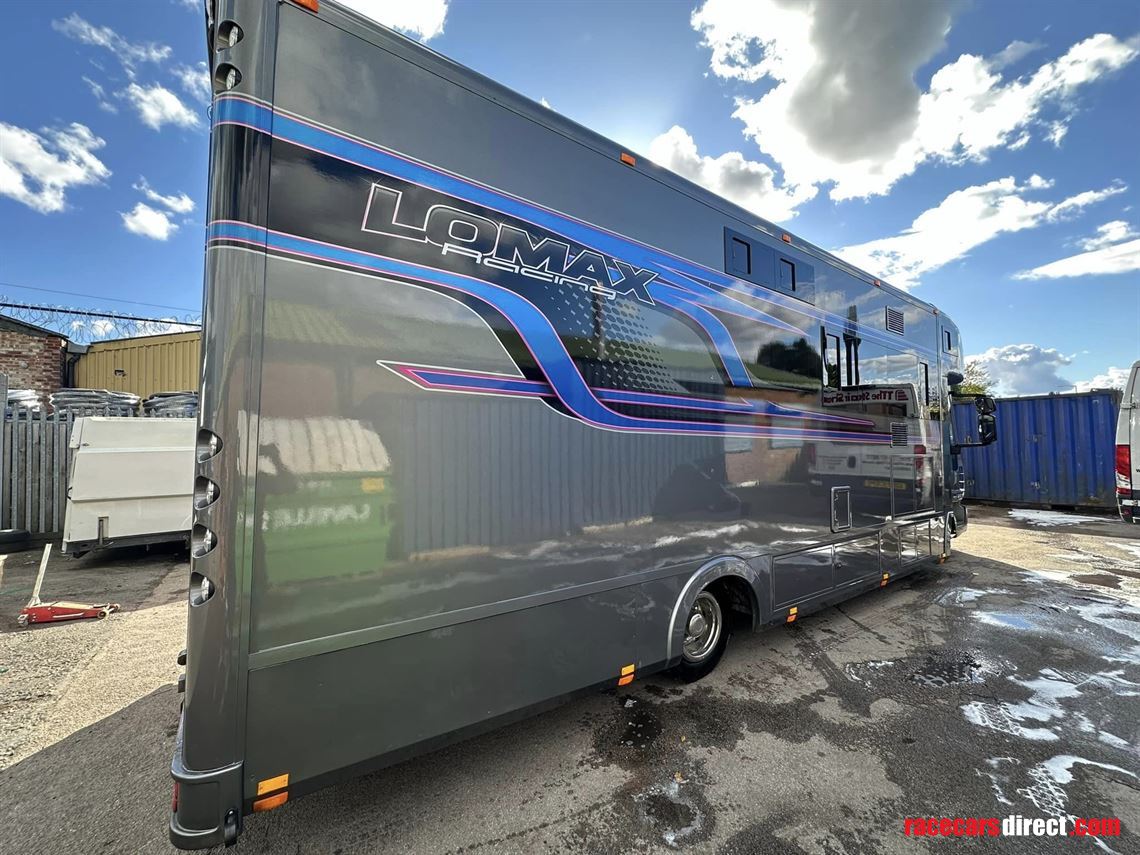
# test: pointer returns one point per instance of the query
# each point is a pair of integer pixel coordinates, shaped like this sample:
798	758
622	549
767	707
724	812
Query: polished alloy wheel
703	628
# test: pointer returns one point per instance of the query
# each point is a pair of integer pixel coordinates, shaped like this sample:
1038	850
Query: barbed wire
85	326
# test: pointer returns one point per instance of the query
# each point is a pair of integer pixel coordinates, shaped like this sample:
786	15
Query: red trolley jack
39	612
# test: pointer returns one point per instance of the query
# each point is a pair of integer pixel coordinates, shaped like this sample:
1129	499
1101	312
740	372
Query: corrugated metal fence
142	366
1051	450
34	462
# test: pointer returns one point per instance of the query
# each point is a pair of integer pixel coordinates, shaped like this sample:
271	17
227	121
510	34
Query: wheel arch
730	571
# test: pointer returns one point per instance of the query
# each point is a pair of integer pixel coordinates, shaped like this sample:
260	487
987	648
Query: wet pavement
1005	682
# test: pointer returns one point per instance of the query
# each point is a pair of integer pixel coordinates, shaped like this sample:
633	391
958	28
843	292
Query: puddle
961	596
1006	619
939	673
642	725
671	811
1048	519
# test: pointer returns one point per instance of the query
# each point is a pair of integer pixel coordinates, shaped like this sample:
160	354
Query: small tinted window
741	257
787	272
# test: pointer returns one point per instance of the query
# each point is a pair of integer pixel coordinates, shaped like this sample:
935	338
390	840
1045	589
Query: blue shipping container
1051	450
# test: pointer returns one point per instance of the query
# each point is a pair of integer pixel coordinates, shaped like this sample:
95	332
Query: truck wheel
706	636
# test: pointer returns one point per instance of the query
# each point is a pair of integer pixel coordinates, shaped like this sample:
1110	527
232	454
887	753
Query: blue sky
983	155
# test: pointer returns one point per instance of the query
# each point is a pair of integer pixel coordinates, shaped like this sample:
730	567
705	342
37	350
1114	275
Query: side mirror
987	429
955	378
987	424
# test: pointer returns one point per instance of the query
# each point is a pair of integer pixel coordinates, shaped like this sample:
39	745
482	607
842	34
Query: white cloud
179	204
962	221
1114	378
750	184
37	169
423	19
1118	258
148	222
1014	52
195	79
1024	369
100	95
102	327
1115	248
128	53
1116	231
1075	204
158	106
844	106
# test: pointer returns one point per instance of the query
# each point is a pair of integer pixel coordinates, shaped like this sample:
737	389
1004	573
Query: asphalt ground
1004	682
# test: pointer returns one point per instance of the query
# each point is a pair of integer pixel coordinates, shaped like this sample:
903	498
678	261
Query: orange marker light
886	578
311	5
270	802
793	613
786	238
280	782
626	675
628	159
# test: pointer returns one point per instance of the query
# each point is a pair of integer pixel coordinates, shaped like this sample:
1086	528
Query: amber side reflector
886	578
312	6
793	612
626	675
270	784
628	159
786	238
270	802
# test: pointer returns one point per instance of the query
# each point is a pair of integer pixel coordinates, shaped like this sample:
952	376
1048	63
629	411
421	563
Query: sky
982	155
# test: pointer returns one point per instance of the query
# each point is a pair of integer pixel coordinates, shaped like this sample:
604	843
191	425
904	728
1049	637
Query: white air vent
899	434
895	321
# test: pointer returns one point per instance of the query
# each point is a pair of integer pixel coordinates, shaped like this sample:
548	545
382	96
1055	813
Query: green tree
978	380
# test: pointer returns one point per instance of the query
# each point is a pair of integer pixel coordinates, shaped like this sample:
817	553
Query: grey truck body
484	407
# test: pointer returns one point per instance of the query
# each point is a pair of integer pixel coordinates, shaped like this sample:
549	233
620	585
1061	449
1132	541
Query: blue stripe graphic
475	382
537	333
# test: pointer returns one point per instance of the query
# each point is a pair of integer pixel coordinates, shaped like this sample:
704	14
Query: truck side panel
483	405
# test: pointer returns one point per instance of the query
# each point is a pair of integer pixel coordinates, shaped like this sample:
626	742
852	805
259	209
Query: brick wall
31	361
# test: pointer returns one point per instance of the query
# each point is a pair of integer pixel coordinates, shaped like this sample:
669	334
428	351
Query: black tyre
706	636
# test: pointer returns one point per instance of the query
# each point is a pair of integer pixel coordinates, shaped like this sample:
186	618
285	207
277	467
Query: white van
1128	449
130	482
